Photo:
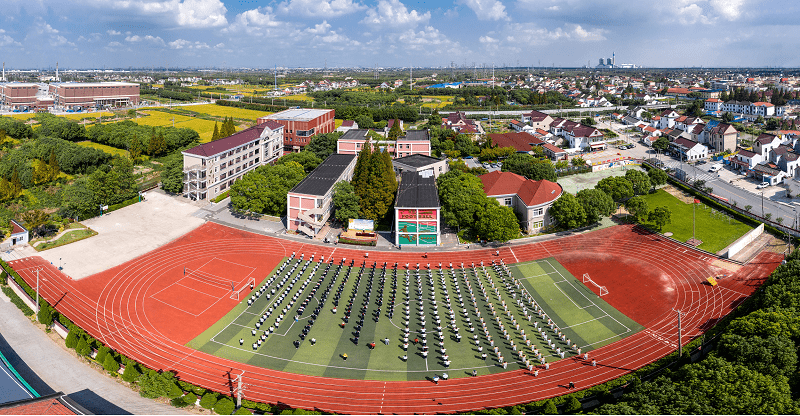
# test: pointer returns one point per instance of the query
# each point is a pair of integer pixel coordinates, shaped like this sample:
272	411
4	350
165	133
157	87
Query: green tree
530	167
346	202
110	364
35	220
308	160
131	374
661	144
573	405
637	206
224	406
639	180
657	177
618	188
395	131
264	189
324	145
156	146
568	212
153	385
550	408
462	197
72	339
45	314
77	200
596	204
497	223
52	166
83	347
208	400
772	356
589	121
41	173
215	134
578	161
727	117
660	216
136	148
172	175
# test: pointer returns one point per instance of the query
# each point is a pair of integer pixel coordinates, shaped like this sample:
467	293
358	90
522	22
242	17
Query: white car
762	185
715	168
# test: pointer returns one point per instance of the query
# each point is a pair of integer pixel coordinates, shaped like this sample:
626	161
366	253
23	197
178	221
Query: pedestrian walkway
49	368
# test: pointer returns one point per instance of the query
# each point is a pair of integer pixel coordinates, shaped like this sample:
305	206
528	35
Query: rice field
71	116
203	127
108	149
159	119
222	111
437	101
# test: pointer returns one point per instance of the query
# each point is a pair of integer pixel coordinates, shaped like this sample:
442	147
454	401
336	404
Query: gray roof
322	179
417	160
417	135
354	134
416	191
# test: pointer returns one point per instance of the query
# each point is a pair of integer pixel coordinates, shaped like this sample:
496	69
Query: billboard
361	225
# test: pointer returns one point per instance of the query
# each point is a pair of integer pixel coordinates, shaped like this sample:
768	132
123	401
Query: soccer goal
603	290
250	284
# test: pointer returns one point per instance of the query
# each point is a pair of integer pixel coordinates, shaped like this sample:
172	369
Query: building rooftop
531	192
417	160
522	142
95	84
355	134
417	191
298	114
416	135
322	179
231	142
51	404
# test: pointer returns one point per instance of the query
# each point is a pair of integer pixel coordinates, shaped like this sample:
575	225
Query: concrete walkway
48	368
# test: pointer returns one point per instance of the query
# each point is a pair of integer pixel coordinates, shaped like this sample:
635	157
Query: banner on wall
361	225
427	239
406	227
407	214
427	226
427	214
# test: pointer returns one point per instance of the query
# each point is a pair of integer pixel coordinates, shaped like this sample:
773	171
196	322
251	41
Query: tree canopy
529	167
596	204
323	145
345	201
308	160
617	187
263	190
568	212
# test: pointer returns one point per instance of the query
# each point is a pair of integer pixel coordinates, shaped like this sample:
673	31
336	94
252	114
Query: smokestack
4	71
56	71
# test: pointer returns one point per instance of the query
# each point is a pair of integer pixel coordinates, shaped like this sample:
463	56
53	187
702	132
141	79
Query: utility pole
239	389
37	290
680	333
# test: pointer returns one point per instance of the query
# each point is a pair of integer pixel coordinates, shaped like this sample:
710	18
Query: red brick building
71	95
18	95
300	124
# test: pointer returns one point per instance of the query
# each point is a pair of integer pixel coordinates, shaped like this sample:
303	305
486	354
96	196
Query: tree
136	148
618	188
172	175
308	160
208	400
131	374
346	202
568	212
639	180
550	408
110	364
215	134
727	117
772	356
530	167
578	161
497	223
462	197
156	146
661	144
589	121
52	166
45	314
596	204
657	177
573	405
748	208
224	406
35	220
153	385
83	347
660	216
395	131
637	206
263	190
365	121
324	145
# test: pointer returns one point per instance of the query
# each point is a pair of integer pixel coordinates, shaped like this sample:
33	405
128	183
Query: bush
72	340
131	374
83	347
179	402
190	399
573	405
154	385
208	400
550	408
101	355
224	406
221	196
174	391
109	363
243	411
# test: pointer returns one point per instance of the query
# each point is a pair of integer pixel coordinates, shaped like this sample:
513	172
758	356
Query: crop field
108	149
223	111
71	116
203	127
437	101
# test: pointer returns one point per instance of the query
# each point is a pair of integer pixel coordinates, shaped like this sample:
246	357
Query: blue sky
347	33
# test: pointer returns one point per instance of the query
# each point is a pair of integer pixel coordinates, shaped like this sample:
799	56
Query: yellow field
71	116
222	111
203	127
436	101
338	123
158	118
108	149
298	97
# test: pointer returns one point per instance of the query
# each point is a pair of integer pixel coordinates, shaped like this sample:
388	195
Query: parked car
715	168
762	185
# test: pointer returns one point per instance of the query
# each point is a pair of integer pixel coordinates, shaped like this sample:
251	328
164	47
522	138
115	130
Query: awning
597	145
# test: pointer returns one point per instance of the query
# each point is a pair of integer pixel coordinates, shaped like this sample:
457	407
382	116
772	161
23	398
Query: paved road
733	193
48	369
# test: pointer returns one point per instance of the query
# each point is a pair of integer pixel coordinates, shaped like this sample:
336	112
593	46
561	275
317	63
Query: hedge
354	242
224	406
17	301
123	204
221	196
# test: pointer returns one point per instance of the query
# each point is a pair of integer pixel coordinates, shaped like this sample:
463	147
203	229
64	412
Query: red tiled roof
16	228
554	149
765	138
232	141
761	103
347	123
532	193
536	116
520	141
713	100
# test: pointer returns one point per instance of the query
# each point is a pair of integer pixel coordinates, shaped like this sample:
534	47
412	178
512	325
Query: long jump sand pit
125	234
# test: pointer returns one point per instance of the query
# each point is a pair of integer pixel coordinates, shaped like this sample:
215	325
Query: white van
715	168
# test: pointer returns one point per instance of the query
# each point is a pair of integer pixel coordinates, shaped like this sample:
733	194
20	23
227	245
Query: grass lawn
67	238
584	318
714	228
108	149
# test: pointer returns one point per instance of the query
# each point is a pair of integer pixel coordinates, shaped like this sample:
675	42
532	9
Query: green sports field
582	316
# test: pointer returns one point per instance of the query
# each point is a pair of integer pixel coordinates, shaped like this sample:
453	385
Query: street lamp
762	204
680	333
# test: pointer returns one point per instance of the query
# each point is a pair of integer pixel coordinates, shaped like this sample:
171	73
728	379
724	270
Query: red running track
135	309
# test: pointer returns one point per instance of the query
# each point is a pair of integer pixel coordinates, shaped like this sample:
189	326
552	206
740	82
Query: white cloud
6	40
320	8
691	14
254	21
148	38
729	9
394	14
43	32
486	9
488	40
428	40
183	13
529	34
113	33
187	44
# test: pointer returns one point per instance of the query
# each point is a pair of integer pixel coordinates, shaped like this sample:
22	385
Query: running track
646	275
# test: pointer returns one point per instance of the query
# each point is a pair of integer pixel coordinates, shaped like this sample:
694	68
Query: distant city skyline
396	33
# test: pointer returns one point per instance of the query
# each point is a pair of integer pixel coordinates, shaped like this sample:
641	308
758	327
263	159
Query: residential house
745	160
713	105
19	235
785	158
530	199
722	137
537	120
554	152
764	143
347	125
667	119
421	164
522	142
459	123
688	150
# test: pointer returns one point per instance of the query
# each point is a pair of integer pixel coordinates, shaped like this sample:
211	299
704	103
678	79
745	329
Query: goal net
603	289
236	293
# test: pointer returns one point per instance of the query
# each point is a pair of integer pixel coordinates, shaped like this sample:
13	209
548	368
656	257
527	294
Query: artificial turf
714	228
584	318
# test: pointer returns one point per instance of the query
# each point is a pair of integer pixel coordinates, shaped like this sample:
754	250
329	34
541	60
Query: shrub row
355	242
221	196
17	301
123	204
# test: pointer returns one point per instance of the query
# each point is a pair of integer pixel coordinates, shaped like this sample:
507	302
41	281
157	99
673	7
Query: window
538	212
507	202
537	224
